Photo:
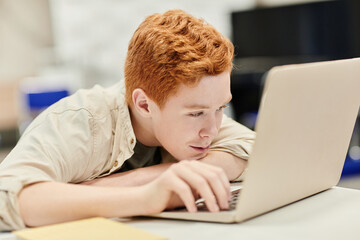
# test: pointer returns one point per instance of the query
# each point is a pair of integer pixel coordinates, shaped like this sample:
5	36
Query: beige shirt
85	136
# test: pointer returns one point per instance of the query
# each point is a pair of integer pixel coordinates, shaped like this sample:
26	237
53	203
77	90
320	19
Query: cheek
193	126
169	130
182	130
219	121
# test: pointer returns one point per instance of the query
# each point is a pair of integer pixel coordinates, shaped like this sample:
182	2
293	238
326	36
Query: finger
221	173
181	188
199	183
217	181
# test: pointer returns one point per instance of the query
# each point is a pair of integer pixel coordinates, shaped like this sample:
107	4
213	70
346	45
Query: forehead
212	91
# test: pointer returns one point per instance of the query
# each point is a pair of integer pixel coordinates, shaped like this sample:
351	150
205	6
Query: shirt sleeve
57	146
234	138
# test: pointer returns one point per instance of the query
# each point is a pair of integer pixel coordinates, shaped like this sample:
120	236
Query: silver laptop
304	127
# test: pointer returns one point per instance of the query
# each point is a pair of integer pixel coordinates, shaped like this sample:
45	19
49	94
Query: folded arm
229	151
232	166
135	177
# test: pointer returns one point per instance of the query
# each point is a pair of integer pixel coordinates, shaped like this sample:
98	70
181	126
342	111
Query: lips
200	149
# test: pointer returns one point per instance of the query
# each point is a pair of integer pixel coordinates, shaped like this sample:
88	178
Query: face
191	119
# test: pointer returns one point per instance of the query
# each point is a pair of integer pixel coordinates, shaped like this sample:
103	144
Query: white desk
333	214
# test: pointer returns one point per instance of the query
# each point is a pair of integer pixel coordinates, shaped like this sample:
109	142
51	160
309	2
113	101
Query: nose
211	127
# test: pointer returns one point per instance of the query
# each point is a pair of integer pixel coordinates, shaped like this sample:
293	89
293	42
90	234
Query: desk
333	214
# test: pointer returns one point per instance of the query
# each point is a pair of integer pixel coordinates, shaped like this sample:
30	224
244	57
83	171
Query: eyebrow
201	106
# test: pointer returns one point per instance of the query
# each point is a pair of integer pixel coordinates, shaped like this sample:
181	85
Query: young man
158	142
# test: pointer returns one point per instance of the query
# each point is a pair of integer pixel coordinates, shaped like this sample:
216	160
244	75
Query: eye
221	108
197	114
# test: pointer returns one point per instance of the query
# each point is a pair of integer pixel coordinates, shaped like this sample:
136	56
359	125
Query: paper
87	229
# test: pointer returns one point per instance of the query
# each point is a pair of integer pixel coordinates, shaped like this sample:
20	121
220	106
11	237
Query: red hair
174	48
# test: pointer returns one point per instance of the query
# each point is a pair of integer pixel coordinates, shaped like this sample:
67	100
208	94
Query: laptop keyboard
232	203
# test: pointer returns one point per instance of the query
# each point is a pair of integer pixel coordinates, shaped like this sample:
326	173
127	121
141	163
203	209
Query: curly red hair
174	48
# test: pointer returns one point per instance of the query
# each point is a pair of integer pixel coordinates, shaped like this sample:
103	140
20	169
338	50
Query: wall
25	30
94	35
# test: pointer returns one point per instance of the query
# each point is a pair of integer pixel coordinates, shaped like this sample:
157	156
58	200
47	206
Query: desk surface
333	214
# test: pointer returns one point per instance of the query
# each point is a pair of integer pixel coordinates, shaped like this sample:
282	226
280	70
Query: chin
197	157
189	155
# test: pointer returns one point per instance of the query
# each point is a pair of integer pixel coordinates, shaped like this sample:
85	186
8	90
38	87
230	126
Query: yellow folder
87	229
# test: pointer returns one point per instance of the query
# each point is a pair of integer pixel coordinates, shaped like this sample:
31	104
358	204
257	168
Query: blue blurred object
351	167
41	100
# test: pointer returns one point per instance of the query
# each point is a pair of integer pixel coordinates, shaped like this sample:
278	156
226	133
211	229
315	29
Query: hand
186	181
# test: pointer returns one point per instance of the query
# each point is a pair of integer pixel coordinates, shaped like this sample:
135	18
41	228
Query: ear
141	102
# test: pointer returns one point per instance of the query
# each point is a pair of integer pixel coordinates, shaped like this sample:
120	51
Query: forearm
51	202
232	165
136	177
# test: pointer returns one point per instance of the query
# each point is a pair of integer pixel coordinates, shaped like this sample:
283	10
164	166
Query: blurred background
51	48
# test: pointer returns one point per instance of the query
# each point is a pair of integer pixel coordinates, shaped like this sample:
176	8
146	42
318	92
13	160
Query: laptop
304	126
